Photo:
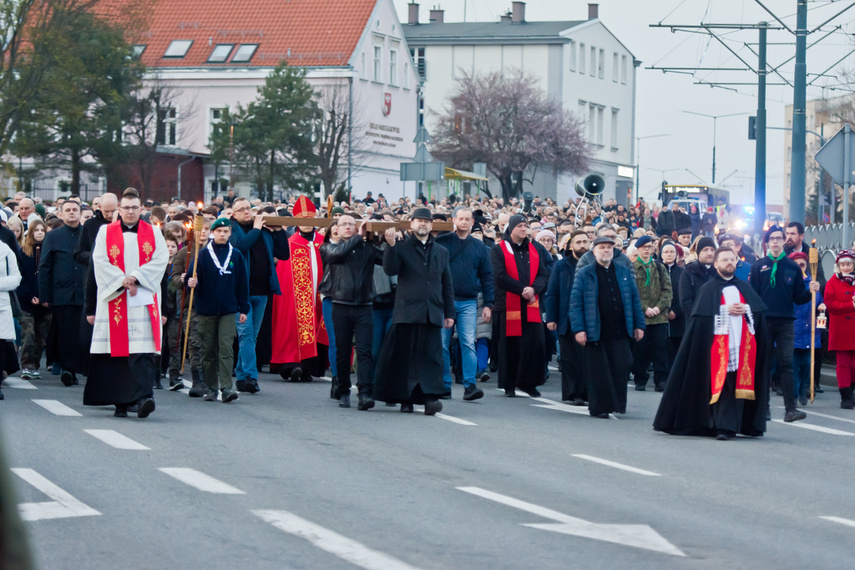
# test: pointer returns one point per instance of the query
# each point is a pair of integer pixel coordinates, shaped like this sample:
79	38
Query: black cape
685	406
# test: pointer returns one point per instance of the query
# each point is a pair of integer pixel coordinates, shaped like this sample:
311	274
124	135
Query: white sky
662	98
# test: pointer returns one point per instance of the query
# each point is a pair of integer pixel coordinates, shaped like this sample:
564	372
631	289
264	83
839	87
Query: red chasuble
298	324
513	301
119	343
747	360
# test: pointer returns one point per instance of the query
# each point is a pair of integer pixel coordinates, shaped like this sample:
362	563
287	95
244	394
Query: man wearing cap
258	245
521	277
606	316
618	257
778	281
472	275
409	367
298	331
696	274
654	290
684	237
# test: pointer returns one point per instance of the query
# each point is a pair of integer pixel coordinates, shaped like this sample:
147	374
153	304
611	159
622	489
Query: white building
580	63
214	55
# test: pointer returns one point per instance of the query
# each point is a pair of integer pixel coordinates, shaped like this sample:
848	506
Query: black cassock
685	407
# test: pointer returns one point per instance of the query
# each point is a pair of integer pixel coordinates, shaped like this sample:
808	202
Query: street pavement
287	479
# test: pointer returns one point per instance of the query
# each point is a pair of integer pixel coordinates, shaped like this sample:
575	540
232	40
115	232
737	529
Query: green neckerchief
646	268
775	267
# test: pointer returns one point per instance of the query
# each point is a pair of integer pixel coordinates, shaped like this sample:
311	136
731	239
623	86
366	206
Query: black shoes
344	401
145	407
406	408
472	392
818	389
768	413
229	395
602	416
578	402
533	392
211	395
482	376
67	378
640	387
794	415
446	396
157	384
847	400
510	392
248	386
199	388
660	387
723	436
121	412
296	374
366	402
432	407
803	400
175	384
334	388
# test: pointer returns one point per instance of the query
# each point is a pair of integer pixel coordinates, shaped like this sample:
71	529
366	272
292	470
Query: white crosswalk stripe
57	408
200	481
115	439
63	505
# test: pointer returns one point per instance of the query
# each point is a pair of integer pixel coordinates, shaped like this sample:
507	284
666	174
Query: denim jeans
247	365
482	349
326	306
466	323
382	324
801	371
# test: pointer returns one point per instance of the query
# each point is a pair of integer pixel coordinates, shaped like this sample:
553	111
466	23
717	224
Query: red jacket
841	314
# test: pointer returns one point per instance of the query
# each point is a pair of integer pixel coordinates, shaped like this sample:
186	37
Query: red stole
747	359
118	307
298	324
513	301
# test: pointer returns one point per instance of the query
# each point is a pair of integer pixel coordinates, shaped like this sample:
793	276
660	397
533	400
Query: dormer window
221	53
138	50
178	48
244	53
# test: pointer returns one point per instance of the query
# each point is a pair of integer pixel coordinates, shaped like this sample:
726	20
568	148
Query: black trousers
653	347
781	335
608	363
572	376
727	411
350	321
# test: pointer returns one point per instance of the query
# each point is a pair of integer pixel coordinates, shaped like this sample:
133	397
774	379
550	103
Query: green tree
89	75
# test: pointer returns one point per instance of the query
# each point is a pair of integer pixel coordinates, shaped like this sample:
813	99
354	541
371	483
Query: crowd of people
414	295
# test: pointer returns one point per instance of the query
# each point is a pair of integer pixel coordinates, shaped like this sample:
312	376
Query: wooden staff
191	238
814	263
198	226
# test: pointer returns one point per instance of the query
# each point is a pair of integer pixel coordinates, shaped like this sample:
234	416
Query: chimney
505	18
518	12
436	16
593	11
413	15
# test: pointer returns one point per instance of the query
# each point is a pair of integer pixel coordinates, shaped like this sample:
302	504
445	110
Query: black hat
421	214
642	241
770	231
730	237
515	220
440	217
704	243
684	231
476	227
602	239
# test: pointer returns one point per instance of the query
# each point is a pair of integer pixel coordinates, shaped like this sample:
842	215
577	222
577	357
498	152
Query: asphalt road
287	479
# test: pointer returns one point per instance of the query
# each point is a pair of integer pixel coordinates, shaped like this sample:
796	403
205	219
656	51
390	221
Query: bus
701	195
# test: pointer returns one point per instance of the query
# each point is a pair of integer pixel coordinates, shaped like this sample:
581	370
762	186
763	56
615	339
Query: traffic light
752	128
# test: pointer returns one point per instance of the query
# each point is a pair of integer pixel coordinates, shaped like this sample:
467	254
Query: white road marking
57	408
829	416
560	406
63	504
554	368
812	427
200	481
354	552
634	535
616	465
840	520
115	439
19	383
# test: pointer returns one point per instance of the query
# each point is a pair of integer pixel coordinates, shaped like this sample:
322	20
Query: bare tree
505	121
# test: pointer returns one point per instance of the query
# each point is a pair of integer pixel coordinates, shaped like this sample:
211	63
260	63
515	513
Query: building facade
580	63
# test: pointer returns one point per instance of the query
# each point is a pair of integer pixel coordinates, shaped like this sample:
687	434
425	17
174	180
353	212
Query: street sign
422	171
832	156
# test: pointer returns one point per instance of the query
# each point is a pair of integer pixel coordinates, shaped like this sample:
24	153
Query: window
593	61
623	69
601	64
215	120
600	117
139	49
378	62
406	75
614	144
592	121
582	58
571	56
615	67
393	67
244	53
221	53
363	70
167	127
178	48
419	60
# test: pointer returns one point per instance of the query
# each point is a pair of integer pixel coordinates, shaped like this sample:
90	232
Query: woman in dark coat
35	319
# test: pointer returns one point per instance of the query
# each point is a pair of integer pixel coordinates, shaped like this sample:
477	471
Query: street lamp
714	120
638	161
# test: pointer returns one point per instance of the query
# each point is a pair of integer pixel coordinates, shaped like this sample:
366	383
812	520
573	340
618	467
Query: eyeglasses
244	209
776	239
130	208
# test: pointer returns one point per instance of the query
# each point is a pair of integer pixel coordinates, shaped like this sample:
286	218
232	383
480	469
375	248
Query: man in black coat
409	367
696	274
727	395
61	287
102	217
350	284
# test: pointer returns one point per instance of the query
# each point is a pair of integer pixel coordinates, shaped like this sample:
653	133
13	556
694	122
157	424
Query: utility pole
797	163
232	157
760	132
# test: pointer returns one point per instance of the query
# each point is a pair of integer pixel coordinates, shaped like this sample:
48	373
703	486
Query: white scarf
223	269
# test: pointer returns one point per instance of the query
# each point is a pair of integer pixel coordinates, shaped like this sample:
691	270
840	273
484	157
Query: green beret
337	210
221	222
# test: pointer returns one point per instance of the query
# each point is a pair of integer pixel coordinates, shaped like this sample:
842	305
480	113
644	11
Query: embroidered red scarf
118	307
747	359
514	301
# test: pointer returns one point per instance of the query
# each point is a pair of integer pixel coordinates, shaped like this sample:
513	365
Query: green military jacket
655	294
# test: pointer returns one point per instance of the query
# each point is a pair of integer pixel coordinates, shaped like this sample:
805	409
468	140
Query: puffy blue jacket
557	298
802	324
584	315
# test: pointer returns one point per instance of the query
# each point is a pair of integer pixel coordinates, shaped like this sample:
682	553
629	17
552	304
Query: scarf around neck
775	267
647	266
